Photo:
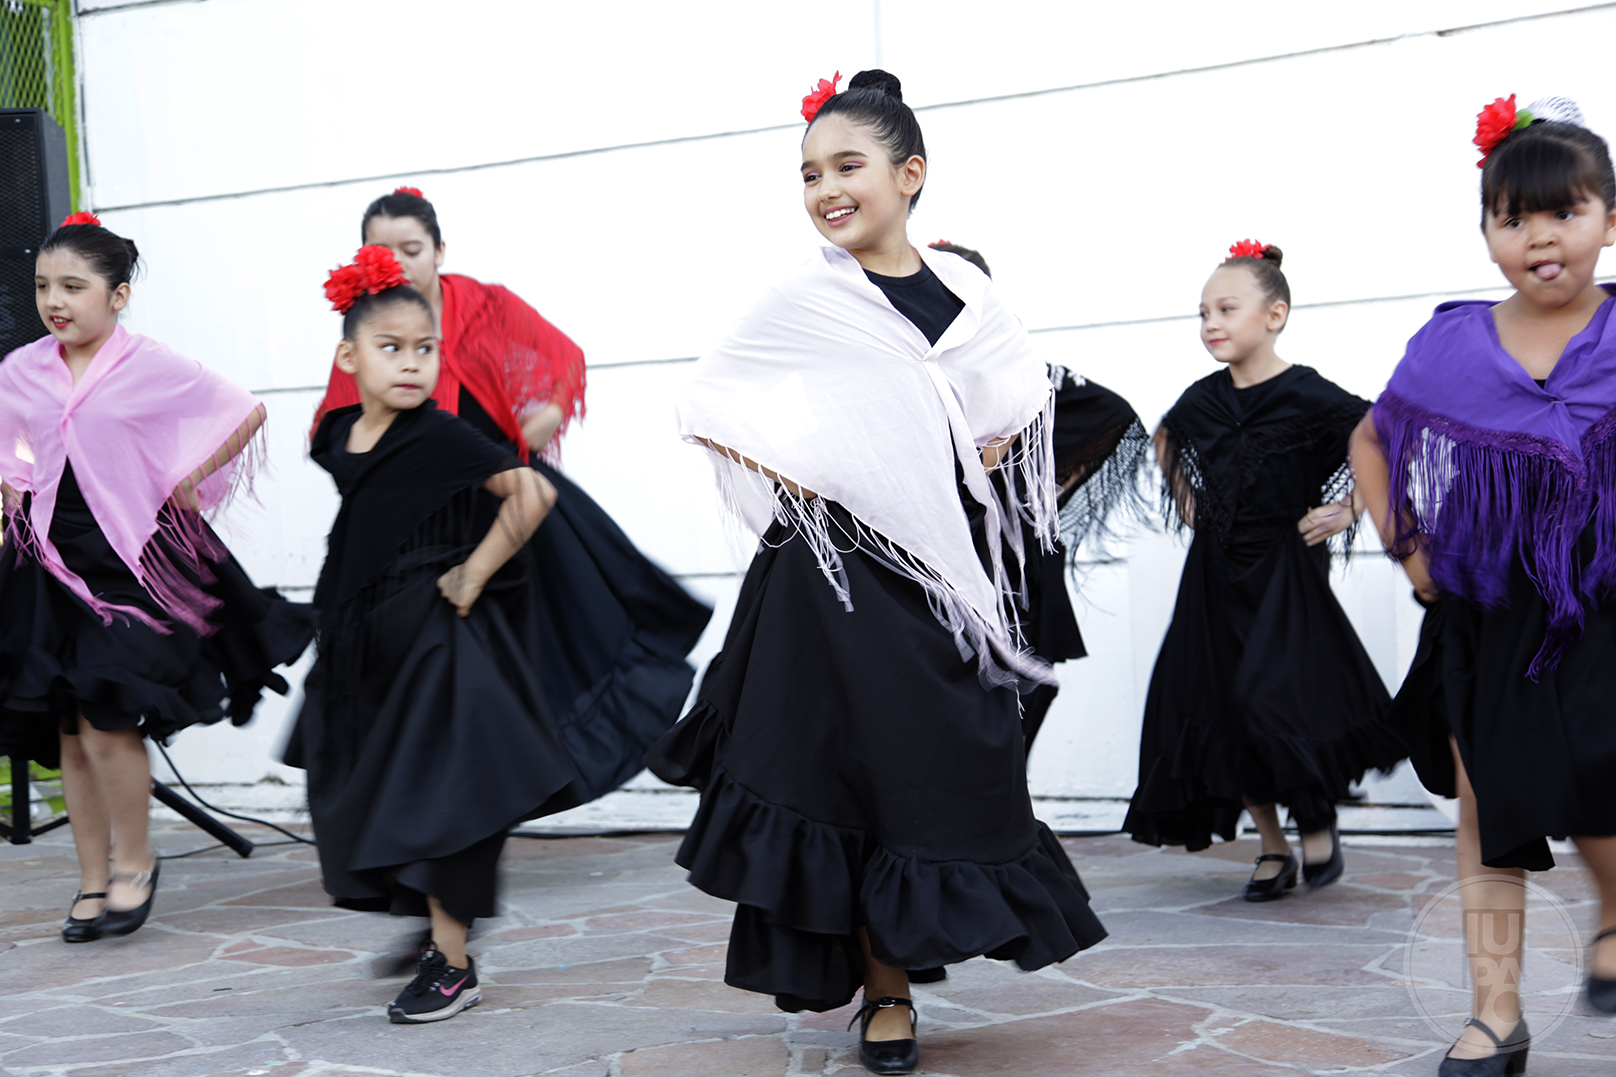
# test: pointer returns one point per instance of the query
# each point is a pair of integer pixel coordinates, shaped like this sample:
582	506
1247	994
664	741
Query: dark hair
368	305
875	99
402	204
114	258
973	257
1546	166
1270	281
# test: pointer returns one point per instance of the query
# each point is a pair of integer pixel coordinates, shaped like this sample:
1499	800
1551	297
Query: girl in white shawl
857	740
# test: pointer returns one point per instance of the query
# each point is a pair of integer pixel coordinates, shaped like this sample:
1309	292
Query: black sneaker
438	992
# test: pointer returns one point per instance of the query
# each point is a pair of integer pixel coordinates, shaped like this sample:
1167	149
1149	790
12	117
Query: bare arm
541	426
753	465
1374	488
995	451
185	493
528	499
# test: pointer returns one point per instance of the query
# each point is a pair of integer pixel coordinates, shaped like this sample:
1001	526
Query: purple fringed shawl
1487	466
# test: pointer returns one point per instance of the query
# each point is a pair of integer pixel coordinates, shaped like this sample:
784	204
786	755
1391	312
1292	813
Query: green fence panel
36	68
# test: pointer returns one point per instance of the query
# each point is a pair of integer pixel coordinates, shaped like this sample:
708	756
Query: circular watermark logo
1478	930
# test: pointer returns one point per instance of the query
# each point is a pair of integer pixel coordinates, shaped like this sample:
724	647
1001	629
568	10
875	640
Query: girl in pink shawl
122	615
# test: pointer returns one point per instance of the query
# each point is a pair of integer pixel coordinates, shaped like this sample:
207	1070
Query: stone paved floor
608	965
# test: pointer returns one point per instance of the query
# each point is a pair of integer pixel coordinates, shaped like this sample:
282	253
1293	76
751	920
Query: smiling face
1550	256
74	301
393	357
854	194
1236	319
412	245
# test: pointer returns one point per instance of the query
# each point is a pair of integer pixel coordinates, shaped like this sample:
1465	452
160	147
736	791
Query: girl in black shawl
1262	692
425	734
1099	448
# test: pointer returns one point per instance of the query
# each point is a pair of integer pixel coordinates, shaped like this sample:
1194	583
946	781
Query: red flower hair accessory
1247	248
816	100
416	191
81	217
1495	123
374	270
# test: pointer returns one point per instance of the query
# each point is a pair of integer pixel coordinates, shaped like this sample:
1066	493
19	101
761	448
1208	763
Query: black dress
1099	448
1262	689
855	773
59	661
425	735
1540	754
611	630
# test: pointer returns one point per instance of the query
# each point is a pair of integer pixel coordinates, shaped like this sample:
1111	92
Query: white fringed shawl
825	383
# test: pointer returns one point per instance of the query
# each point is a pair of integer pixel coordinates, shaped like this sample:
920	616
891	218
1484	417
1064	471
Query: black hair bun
1273	254
876	79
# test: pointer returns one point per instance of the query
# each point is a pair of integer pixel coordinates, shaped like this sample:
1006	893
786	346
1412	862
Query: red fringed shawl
502	350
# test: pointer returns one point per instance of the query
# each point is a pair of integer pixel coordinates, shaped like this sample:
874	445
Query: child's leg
448	935
92	826
121	774
1495	923
1600	855
1266	818
884	981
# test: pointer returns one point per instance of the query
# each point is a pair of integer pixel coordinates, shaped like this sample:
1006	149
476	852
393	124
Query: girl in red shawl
616	628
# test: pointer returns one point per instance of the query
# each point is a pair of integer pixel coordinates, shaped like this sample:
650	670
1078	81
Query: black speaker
34	198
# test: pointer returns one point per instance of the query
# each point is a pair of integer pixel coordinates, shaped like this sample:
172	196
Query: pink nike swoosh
451	989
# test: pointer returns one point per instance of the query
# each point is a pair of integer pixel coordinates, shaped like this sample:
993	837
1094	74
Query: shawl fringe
1475	499
1001	662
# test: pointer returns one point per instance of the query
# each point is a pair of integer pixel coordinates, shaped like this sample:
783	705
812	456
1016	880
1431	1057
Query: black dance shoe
76	929
1317	875
128	921
1508	1061
886	1056
1270	889
1601	991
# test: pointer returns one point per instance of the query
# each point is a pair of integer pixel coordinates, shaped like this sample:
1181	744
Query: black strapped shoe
128	921
1270	889
886	1056
1508	1061
1317	875
1601	991
77	929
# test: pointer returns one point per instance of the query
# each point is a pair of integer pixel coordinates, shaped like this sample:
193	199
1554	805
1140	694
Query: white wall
630	169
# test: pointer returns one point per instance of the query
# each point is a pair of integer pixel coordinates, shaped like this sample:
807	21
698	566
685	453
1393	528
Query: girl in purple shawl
1490	467
122	615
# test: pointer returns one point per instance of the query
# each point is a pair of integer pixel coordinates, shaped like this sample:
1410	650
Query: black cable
220	811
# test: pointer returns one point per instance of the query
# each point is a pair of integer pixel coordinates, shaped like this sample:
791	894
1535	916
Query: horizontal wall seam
713	136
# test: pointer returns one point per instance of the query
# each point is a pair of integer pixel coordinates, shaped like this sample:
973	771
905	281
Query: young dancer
122	615
1489	464
1100	446
612	629
1262	693
856	742
425	732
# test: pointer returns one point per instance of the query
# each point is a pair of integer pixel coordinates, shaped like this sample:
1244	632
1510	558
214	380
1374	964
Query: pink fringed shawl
141	419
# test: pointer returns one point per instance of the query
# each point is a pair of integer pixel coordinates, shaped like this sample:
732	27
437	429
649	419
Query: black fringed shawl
1219	439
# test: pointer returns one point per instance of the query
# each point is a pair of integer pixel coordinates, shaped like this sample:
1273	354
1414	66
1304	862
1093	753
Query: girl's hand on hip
460	588
1325	522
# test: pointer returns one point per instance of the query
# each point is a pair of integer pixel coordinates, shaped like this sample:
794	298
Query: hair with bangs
1547	166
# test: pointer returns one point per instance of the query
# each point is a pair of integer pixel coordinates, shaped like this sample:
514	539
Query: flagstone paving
608	965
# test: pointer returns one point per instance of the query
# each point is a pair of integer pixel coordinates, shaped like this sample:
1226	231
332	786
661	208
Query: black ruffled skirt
426	736
612	631
1261	690
59	661
1541	755
854	773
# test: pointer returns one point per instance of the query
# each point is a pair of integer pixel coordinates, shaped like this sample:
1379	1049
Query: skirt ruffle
58	660
855	774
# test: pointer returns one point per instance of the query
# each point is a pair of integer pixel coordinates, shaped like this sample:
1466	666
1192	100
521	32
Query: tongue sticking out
1548	270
